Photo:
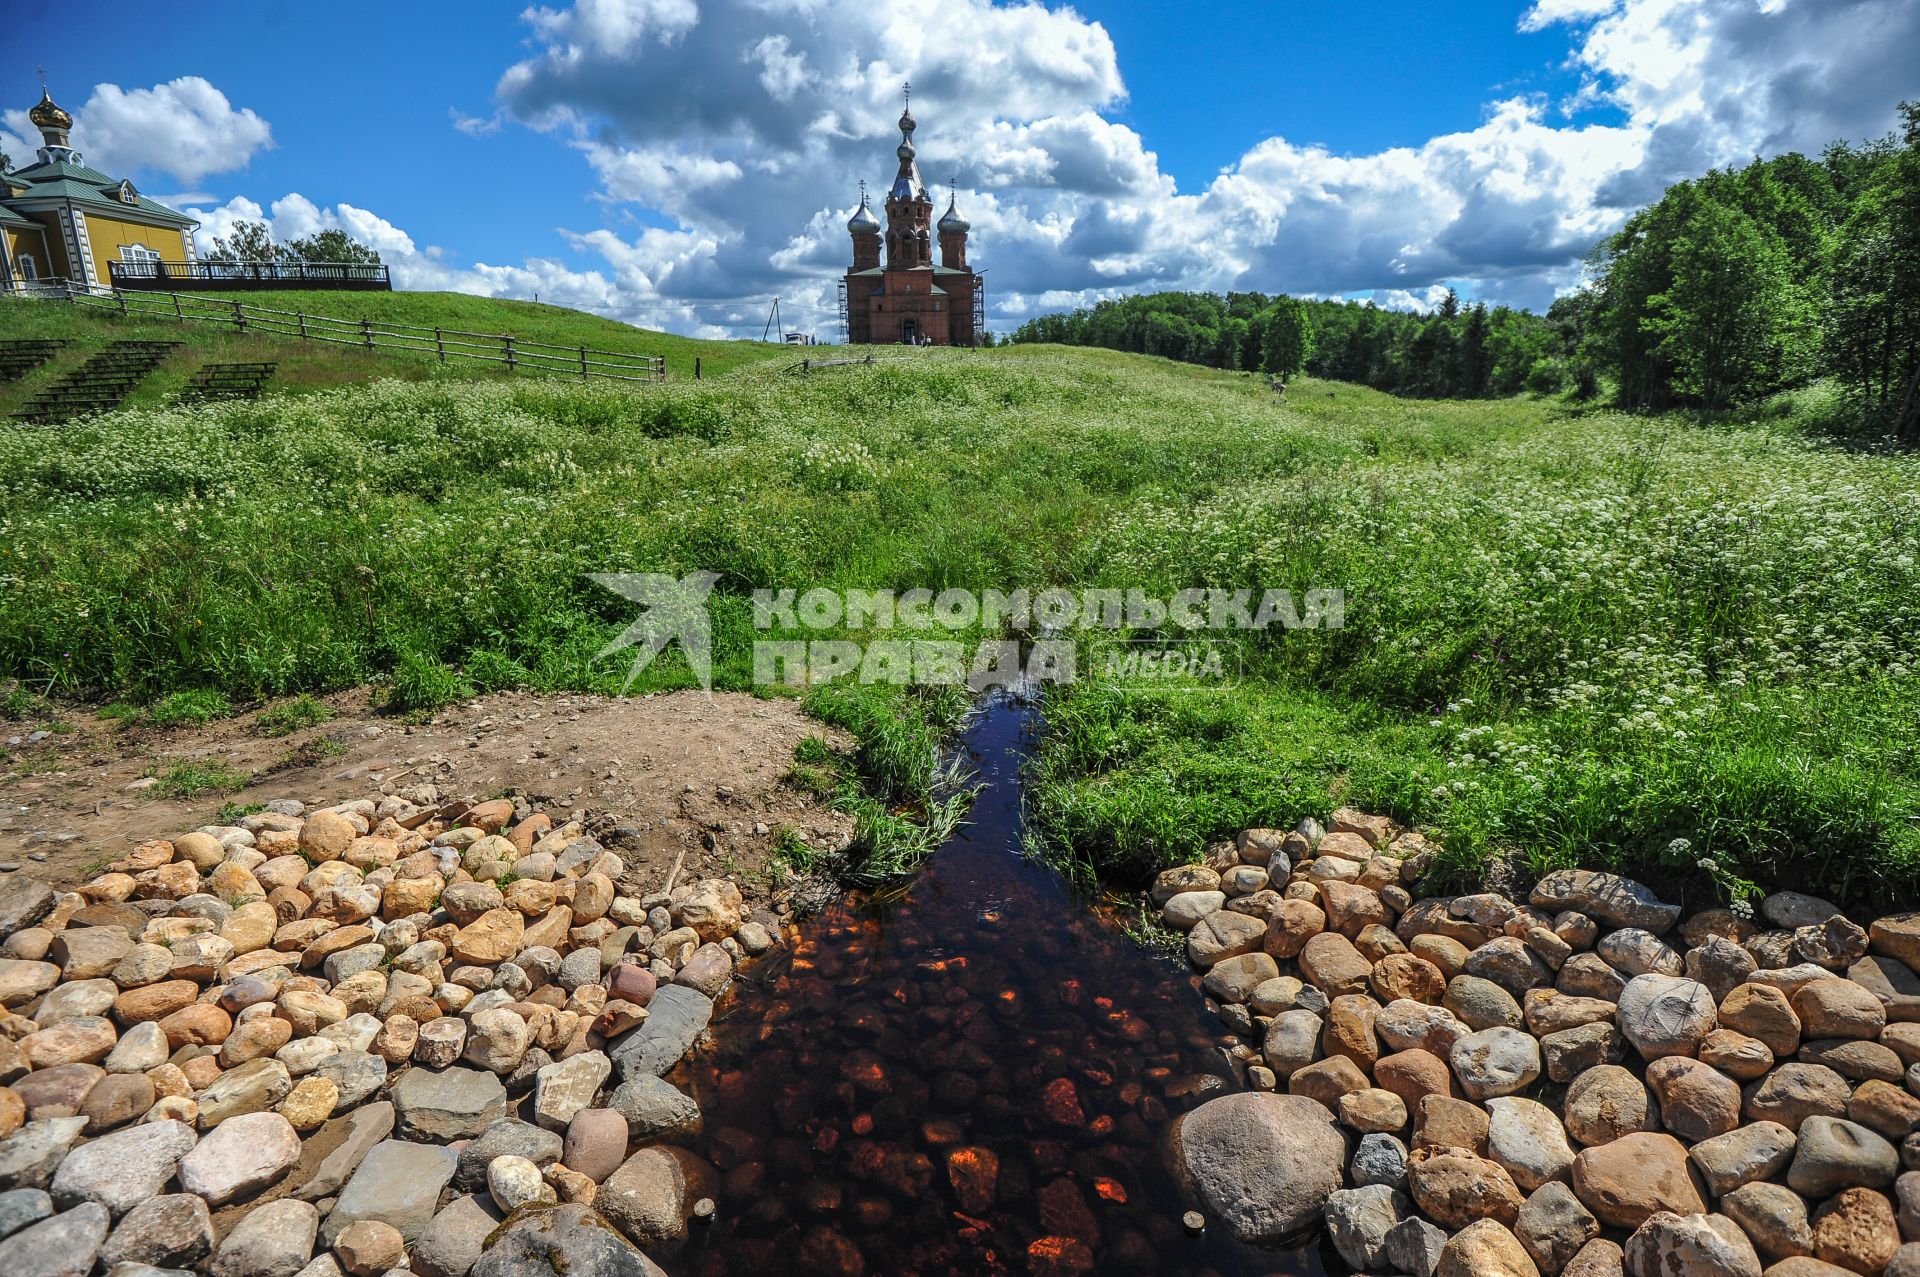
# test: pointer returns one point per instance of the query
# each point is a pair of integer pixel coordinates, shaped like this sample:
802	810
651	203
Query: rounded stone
1454	1187
1856	1231
1528	1140
1626	1181
369	1247
1485	1248
1496	1061
1670	1245
1834	1154
596	1143
1262	1164
1697	1101
1793	1093
1665	1015
514	1182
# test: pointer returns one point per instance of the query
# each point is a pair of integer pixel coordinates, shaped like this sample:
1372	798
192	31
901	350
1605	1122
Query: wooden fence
515	354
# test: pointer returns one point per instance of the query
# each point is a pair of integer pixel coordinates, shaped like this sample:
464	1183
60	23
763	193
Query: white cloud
745	124
747	121
295	216
1547	12
185	128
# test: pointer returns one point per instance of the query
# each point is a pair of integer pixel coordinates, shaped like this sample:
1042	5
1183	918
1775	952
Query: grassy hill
306	366
1681	650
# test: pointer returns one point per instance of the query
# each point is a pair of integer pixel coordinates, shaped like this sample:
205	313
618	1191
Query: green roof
46	170
10	218
57	179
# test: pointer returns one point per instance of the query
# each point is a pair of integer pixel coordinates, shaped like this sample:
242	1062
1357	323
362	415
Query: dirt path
670	773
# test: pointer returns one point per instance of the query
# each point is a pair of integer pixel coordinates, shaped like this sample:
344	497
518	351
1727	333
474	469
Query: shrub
197	706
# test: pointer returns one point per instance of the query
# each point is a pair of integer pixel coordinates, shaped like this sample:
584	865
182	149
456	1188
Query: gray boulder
335	1151
273	1240
398	1183
358	1074
1833	1153
570	1239
22	1206
675	1019
1359	1219
450	1245
1620	902
30	1156
173	1230
655	1109
124	1168
508	1137
23	902
65	1245
1260	1163
451	1104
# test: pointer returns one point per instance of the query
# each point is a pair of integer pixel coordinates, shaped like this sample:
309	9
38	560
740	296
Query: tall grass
1569	638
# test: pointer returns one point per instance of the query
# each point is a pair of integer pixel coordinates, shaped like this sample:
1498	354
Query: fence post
239	317
177	313
302	317
508	341
583	363
440	344
366	332
123	302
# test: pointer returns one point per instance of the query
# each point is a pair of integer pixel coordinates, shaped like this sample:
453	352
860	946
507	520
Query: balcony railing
247	276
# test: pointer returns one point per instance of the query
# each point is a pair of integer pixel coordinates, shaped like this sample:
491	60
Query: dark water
972	1077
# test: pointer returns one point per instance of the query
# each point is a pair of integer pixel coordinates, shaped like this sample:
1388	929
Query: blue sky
676	162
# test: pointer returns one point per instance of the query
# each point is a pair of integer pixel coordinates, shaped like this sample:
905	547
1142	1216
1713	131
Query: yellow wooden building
61	220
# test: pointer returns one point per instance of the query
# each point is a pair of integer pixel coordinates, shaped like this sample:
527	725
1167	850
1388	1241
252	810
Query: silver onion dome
951	219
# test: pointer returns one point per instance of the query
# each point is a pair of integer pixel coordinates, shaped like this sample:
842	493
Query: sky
680	163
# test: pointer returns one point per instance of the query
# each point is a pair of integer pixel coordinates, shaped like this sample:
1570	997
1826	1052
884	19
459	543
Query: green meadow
1571	636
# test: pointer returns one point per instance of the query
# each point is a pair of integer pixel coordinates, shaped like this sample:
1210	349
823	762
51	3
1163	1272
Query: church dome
951	219
863	222
46	115
907	124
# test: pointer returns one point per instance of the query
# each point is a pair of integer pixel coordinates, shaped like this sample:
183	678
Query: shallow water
970	1077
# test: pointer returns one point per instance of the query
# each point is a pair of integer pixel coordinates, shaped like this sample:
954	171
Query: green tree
1476	360
331	245
1725	318
1286	338
248	242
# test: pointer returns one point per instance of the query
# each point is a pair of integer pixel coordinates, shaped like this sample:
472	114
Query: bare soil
658	776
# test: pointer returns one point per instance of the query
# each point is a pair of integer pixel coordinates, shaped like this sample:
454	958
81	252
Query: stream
970	1076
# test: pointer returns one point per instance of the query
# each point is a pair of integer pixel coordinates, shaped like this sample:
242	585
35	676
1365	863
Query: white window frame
29	269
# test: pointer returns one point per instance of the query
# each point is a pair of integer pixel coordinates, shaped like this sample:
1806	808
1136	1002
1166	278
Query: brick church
910	298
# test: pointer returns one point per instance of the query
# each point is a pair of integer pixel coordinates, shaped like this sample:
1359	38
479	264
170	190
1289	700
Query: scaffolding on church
979	310
846	332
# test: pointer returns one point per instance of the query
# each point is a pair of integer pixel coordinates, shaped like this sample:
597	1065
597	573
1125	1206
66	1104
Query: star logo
675	609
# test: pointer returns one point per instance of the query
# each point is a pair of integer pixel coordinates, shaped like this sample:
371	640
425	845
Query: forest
1732	287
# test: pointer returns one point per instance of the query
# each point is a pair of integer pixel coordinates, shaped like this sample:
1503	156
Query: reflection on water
971	1077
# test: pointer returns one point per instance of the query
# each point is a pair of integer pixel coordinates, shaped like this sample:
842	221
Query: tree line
1732	287
1456	352
254	242
1749	281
